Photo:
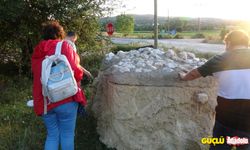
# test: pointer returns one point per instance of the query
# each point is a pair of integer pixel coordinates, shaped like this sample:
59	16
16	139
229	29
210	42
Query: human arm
87	73
211	66
74	61
191	75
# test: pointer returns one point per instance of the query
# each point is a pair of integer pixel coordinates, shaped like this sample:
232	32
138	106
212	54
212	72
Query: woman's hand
87	73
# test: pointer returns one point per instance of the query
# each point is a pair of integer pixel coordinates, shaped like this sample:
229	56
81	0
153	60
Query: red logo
237	141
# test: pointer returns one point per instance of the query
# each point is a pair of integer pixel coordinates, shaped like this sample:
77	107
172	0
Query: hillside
145	22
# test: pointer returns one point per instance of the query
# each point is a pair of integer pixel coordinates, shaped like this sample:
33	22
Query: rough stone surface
141	104
202	98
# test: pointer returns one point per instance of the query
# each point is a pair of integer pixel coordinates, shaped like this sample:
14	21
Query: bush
204	55
165	36
223	32
212	40
92	62
9	69
14	89
178	36
198	36
124	47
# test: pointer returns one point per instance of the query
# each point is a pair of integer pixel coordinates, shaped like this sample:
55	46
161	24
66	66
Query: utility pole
168	21
199	18
155	25
199	24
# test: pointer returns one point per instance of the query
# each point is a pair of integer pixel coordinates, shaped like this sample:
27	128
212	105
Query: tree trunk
27	50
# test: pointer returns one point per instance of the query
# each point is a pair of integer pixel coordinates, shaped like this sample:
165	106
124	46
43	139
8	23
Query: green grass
127	47
21	129
189	34
184	34
140	35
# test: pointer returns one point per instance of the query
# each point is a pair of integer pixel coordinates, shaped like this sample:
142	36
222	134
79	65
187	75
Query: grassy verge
21	129
184	34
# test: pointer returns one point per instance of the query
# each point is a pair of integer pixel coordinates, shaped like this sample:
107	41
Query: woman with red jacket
61	117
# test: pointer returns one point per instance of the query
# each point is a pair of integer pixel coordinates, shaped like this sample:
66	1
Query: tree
124	24
178	23
223	32
20	24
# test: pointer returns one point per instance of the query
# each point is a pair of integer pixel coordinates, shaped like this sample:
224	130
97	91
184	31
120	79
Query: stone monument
141	104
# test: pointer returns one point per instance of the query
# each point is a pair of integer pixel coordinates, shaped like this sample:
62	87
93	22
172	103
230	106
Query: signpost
155	25
110	29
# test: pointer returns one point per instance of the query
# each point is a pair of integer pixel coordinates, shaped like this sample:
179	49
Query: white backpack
57	78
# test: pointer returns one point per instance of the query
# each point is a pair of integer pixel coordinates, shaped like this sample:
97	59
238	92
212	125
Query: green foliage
207	55
179	24
14	89
21	129
223	32
177	36
124	24
20	24
92	62
198	36
165	36
126	47
213	40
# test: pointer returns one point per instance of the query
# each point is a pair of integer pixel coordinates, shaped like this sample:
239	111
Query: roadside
182	44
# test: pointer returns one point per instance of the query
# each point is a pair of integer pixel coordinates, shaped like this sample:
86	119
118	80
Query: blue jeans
60	123
221	130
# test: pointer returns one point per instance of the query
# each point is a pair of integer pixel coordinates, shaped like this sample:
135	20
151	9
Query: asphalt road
184	44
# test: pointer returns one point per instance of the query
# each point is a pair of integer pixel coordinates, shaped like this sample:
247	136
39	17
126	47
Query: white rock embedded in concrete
183	55
150	59
170	53
109	56
141	104
202	98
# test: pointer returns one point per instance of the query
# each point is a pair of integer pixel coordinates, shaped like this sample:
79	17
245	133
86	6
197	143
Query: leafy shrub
9	69
14	89
92	62
124	47
165	36
198	36
178	36
223	32
212	40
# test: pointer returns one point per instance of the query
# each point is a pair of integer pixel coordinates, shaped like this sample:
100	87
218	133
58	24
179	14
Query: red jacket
47	48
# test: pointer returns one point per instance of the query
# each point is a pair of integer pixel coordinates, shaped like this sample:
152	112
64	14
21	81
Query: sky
226	9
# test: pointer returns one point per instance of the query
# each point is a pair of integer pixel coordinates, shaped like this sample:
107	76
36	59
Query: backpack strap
58	48
46	74
45	105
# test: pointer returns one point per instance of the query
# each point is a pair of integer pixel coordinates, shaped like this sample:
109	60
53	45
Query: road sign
110	28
